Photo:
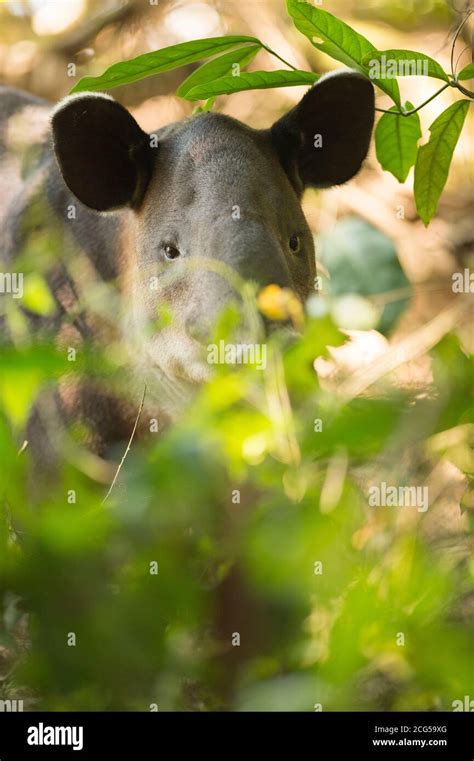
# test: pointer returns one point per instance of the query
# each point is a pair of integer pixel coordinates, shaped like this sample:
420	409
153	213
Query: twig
468	47
414	110
269	50
452	83
458	32
117	473
464	91
87	31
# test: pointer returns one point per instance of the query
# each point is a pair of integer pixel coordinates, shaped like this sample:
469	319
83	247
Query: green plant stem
272	52
453	83
463	89
414	110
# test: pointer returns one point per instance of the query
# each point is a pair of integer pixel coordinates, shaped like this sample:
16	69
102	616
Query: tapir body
175	220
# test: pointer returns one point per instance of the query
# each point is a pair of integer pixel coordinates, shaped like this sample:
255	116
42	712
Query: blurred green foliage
362	260
259	524
407	14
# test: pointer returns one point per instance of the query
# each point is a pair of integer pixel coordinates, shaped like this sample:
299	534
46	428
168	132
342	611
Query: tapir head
215	202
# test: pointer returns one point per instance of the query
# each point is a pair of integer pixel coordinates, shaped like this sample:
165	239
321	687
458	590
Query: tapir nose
263	264
252	250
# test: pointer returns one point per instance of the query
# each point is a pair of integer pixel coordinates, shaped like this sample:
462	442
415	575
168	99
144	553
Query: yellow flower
280	304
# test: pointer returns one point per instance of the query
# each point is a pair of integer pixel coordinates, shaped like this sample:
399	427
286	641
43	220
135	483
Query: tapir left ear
104	156
325	138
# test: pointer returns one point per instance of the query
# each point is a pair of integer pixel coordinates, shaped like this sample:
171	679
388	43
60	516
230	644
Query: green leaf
340	41
253	80
434	159
37	296
467	72
396	139
149	64
219	67
23	372
208	105
407	63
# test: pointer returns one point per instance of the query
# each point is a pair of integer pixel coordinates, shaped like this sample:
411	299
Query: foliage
319	584
398	131
359	259
396	140
434	158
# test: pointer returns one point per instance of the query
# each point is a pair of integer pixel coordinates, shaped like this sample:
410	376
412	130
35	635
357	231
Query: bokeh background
40	38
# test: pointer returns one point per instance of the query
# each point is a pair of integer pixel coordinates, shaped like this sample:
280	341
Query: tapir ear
105	158
325	138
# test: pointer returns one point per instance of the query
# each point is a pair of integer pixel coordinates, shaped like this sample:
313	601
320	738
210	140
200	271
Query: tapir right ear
104	156
325	138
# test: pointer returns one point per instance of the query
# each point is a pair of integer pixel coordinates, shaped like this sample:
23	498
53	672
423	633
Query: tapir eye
295	243
171	252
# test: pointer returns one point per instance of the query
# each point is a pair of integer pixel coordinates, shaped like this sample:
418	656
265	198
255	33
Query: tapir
173	219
